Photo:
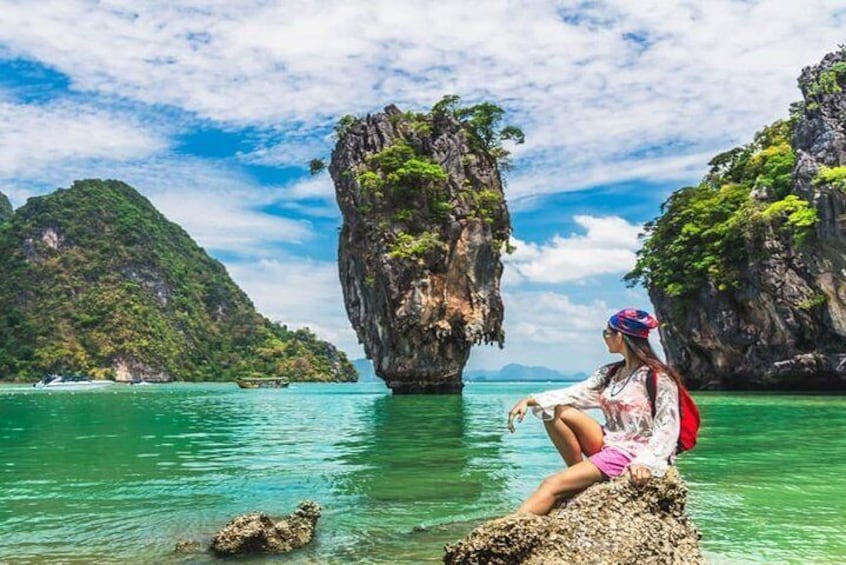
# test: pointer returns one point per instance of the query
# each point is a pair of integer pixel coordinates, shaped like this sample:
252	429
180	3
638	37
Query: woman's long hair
642	349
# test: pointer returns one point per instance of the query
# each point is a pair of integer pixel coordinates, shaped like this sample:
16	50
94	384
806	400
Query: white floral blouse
629	425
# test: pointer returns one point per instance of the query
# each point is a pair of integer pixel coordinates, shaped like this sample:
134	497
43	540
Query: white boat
61	382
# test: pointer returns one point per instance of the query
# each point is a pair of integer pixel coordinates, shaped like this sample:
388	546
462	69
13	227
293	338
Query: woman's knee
563	412
568	414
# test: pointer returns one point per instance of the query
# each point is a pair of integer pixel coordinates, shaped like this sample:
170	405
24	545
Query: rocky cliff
95	280
5	208
424	223
747	271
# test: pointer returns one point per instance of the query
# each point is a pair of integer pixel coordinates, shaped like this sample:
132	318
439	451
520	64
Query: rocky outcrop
258	533
6	209
611	522
784	325
131	370
424	221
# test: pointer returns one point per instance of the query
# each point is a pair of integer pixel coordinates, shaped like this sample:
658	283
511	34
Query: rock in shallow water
611	522
258	533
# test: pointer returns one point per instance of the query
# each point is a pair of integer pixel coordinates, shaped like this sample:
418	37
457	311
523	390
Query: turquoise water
119	475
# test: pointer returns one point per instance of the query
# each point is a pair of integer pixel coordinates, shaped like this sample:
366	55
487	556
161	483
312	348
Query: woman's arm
665	428
583	395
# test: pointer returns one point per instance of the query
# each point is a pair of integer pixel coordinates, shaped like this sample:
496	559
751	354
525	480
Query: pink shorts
611	462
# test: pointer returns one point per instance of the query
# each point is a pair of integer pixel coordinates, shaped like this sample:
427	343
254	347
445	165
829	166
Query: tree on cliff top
481	121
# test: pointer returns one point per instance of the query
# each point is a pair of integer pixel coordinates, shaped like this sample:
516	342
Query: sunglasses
606	333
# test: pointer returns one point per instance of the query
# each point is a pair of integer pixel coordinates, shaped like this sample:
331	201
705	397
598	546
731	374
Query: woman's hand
519	411
638	474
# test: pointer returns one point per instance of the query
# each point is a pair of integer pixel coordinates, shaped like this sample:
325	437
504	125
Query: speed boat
74	382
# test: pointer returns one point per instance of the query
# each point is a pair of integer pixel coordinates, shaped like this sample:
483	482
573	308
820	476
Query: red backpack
688	413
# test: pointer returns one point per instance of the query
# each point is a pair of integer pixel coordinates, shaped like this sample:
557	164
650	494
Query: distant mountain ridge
96	281
526	373
511	372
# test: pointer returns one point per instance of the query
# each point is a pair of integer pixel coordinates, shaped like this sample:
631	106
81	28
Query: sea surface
119	475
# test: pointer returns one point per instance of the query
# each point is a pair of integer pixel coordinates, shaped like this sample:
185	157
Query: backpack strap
651	386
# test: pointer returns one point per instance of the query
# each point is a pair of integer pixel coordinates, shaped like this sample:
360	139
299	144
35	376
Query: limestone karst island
424	224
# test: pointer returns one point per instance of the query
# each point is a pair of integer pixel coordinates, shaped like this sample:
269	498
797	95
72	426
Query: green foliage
405	215
488	203
94	275
419	123
344	124
392	158
814	301
315	166
797	214
447	105
411	247
828	82
481	122
371	183
401	184
835	176
398	175
704	233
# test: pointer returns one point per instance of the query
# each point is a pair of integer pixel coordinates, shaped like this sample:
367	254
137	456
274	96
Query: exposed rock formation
6	209
258	533
611	522
783	325
419	251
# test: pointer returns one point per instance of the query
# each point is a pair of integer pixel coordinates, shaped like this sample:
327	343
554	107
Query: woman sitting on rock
632	441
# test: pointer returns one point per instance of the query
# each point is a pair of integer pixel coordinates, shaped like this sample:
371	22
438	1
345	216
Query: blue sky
212	111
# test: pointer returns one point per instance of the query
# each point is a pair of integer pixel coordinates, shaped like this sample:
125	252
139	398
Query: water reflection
419	450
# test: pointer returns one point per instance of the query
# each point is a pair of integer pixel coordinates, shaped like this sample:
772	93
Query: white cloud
316	187
550	329
219	207
33	137
605	91
608	246
551	318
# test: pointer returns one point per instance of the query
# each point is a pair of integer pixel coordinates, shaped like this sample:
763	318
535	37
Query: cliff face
770	312
5	208
96	281
424	219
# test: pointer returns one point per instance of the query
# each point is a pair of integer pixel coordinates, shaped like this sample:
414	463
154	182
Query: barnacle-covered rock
258	533
610	522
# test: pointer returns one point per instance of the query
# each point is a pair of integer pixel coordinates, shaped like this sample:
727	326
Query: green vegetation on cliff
705	232
409	189
6	210
94	278
834	176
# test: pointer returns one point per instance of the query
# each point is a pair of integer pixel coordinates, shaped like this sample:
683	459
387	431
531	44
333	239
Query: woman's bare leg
568	482
573	432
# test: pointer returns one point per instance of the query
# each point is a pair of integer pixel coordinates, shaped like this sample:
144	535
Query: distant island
97	281
512	372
